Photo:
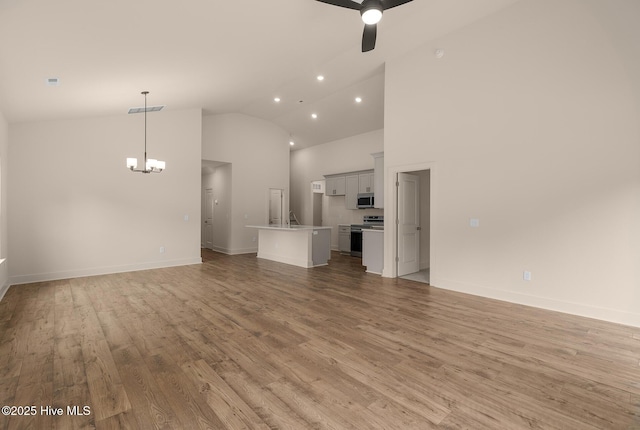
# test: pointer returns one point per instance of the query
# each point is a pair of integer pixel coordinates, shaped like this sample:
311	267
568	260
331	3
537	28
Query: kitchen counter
298	245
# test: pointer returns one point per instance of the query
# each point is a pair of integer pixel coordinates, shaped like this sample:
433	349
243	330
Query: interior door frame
284	218
205	221
390	269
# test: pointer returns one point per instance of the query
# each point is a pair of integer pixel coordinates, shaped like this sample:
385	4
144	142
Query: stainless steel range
368	221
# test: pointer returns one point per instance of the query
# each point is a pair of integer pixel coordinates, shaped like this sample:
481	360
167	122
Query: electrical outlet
474	222
162	250
526	275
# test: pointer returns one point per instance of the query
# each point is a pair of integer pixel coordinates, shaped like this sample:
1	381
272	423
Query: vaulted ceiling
221	56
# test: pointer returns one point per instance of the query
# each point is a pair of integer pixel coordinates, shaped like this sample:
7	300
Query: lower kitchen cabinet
344	238
373	250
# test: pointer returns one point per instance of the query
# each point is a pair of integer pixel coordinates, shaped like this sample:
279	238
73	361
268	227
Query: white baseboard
300	262
53	276
604	314
235	251
4	277
3	290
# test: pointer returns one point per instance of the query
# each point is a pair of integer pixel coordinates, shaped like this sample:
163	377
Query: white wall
530	123
219	181
4	231
75	209
258	151
340	156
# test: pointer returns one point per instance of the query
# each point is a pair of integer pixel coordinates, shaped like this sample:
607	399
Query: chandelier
151	165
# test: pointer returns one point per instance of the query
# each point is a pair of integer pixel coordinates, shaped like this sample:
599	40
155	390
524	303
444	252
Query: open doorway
276	206
413	231
216	206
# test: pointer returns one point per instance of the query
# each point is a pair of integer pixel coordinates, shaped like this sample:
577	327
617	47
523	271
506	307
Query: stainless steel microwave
365	200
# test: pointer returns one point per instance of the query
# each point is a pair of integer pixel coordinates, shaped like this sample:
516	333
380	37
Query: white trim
3	290
4	277
53	276
239	251
300	262
604	314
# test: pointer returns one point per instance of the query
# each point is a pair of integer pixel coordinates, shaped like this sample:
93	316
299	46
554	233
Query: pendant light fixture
150	165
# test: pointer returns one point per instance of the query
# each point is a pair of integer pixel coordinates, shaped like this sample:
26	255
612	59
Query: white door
408	224
275	206
208	219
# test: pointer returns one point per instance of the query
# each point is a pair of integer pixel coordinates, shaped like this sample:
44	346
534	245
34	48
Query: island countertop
289	227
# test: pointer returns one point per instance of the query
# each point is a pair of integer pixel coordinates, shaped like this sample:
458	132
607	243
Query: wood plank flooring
242	343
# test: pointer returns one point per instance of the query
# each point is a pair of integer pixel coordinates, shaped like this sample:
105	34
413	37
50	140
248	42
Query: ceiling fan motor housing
371	11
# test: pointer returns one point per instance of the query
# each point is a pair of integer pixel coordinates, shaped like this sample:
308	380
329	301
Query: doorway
276	206
413	229
215	231
208	218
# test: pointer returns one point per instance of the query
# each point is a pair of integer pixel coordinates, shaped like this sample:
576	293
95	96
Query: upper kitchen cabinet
365	182
335	185
378	179
351	197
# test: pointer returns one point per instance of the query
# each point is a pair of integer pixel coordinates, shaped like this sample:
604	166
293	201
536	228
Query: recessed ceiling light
276	99
291	142
358	99
320	78
314	115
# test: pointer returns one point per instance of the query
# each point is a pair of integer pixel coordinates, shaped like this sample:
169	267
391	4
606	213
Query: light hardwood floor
240	343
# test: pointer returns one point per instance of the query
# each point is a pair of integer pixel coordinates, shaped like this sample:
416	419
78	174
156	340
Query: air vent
149	109
53	82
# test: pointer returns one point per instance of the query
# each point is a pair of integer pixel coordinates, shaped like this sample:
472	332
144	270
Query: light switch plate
474	222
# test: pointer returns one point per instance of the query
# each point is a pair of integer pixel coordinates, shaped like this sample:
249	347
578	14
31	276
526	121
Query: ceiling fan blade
369	37
388	4
343	3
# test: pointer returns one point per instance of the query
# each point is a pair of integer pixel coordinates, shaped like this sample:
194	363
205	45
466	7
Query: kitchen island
299	245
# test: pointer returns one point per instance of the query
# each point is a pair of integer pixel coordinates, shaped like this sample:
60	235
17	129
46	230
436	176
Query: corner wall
258	151
76	210
530	123
4	230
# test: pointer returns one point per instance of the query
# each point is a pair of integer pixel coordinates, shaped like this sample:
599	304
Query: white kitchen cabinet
378	179
335	186
351	195
365	182
373	250
344	238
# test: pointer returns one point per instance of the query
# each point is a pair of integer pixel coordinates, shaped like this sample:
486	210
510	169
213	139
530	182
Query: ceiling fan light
371	15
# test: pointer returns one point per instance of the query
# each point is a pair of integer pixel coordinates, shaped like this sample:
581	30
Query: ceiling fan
371	12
